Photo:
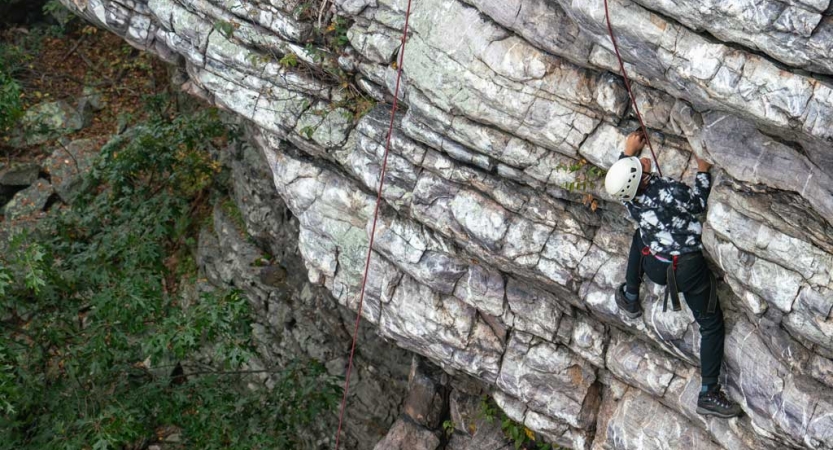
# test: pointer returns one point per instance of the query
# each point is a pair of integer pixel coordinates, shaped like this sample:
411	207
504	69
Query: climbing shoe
715	403
631	309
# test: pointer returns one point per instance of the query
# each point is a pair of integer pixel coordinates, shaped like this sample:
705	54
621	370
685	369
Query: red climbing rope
375	218
628	86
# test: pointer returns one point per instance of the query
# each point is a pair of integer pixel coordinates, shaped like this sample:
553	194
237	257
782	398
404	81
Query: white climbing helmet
623	178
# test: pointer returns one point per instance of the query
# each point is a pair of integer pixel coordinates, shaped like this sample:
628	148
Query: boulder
46	121
29	201
408	435
426	401
68	165
19	175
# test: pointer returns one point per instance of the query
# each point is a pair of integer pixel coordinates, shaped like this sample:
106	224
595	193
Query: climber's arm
695	199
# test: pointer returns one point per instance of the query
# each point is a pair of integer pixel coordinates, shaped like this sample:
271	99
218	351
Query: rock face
252	246
483	262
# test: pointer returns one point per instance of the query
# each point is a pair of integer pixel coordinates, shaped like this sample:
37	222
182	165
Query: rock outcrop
251	244
483	262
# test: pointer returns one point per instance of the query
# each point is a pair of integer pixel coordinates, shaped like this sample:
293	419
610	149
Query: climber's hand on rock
702	165
634	143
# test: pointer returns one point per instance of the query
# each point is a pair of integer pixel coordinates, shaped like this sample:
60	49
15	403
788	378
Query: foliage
99	348
125	58
12	60
448	427
11	108
289	60
305	11
259	59
586	176
307	131
226	28
234	213
60	13
336	32
521	436
320	58
18	52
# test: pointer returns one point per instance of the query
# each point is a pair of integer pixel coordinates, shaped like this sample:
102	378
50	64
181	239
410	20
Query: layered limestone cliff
483	262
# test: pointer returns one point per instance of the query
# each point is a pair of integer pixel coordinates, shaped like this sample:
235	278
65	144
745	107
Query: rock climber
667	247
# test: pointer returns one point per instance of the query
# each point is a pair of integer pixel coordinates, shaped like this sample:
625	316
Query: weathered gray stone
19	175
483	289
407	435
532	310
482	434
375	42
797	412
775	284
45	121
811	318
821	368
553	431
483	220
785	32
639	365
92	97
426	400
540	23
587	337
640	422
295	319
465	411
812	263
69	164
29	201
550	379
741	149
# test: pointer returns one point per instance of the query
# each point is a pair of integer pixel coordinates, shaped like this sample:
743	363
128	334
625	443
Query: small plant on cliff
586	177
289	60
97	349
337	31
448	427
521	436
226	28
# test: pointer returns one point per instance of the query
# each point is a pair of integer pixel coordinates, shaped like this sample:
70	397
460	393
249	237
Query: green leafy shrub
586	177
97	349
521	436
448	427
12	58
226	28
337	31
11	108
289	60
59	13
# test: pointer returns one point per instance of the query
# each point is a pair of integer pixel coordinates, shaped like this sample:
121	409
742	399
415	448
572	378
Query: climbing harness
375	218
671	289
628	87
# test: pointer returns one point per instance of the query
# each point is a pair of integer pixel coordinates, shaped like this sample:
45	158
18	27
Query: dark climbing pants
692	275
